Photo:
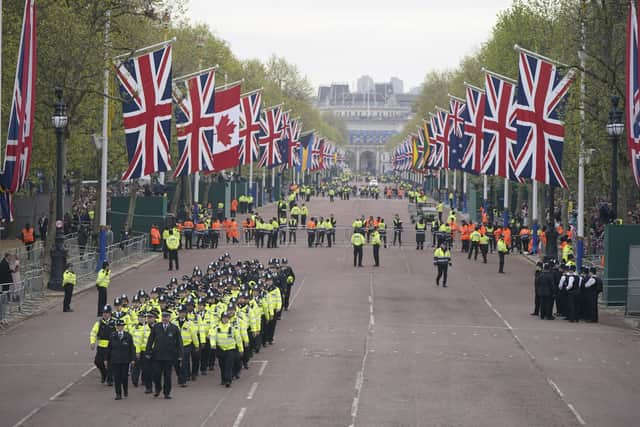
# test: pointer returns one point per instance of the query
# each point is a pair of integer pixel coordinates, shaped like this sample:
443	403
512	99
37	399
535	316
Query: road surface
367	346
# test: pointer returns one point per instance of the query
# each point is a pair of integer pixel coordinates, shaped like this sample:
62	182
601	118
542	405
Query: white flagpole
506	202
485	190
464	192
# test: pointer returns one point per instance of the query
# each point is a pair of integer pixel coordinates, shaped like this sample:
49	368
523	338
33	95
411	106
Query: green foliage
553	28
71	54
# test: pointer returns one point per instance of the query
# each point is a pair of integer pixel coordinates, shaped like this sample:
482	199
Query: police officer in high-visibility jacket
421	228
474	237
484	247
376	241
102	283
173	243
190	345
442	260
100	334
227	342
502	251
68	283
357	240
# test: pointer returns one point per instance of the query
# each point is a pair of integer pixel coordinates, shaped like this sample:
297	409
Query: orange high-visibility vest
200	226
507	236
234	205
311	224
215	225
155	236
27	235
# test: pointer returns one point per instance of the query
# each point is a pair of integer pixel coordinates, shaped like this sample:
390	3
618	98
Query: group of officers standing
227	314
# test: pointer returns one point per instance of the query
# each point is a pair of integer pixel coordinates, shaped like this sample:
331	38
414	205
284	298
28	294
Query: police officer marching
99	341
121	353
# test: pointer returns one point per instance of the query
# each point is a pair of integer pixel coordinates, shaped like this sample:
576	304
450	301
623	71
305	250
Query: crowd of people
226	313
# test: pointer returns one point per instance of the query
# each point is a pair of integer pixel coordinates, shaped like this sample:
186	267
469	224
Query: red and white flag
226	138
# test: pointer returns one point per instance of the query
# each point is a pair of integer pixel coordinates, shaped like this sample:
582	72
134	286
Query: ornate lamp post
58	253
615	127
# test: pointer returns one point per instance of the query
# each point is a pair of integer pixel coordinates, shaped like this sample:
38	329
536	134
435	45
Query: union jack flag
271	133
145	83
542	92
295	128
440	127
328	155
283	144
500	134
6	205
317	149
633	91
433	147
455	121
250	106
194	124
20	135
473	116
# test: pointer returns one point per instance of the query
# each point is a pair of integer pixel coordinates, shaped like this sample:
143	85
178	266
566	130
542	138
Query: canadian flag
226	124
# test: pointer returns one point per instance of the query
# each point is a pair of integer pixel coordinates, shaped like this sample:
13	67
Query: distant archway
350	160
368	162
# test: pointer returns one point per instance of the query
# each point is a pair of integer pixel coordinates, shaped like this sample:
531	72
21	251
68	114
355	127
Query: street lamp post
58	253
615	127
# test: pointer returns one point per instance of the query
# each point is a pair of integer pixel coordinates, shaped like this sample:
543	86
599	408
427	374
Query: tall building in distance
373	113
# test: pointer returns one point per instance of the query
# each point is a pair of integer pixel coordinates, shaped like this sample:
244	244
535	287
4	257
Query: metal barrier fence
14	295
341	237
633	296
84	261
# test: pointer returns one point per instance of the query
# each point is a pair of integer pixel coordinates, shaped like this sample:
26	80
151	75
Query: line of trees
553	28
71	54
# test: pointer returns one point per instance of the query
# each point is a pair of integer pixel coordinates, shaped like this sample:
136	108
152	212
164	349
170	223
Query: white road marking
252	391
264	365
521	345
213	411
52	398
28	416
59	393
40	365
240	417
355	404
293	298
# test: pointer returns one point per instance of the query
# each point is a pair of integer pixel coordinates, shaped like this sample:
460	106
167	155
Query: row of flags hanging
509	129
217	128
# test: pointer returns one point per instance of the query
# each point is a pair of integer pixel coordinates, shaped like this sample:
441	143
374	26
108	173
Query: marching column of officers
227	314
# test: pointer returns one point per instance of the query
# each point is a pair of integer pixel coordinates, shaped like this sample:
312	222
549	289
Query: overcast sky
340	40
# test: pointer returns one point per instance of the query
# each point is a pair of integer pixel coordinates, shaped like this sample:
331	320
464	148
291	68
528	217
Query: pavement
359	346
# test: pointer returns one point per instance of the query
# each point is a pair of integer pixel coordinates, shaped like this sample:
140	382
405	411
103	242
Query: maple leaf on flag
225	130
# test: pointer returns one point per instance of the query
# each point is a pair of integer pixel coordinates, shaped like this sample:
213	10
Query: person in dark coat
545	291
121	352
5	272
164	348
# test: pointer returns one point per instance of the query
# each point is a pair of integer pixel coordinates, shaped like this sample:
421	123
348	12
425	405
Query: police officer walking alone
173	243
357	240
102	283
442	260
375	244
68	283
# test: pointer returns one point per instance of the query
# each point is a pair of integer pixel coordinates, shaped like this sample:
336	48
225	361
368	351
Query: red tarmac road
367	346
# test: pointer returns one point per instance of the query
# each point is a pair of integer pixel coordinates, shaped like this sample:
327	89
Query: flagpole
534	216
455	188
581	160
464	193
506	203
485	191
102	241
264	179
143	49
